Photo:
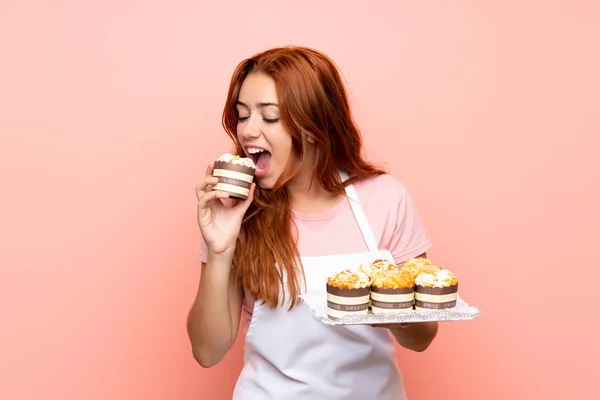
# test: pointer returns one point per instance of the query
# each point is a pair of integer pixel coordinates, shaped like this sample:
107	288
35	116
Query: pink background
110	111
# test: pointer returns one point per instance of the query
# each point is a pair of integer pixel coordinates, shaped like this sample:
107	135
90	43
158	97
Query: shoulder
393	216
381	188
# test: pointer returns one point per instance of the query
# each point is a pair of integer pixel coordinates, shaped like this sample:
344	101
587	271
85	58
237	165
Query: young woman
317	205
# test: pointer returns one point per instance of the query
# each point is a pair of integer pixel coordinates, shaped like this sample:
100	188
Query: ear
309	138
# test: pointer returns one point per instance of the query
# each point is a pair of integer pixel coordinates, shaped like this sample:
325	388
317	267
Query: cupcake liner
385	300
342	302
233	178
436	298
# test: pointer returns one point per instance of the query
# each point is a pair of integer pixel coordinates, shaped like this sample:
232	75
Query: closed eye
267	120
271	120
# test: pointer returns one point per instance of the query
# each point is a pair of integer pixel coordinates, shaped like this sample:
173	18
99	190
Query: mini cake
438	290
235	175
347	294
392	291
420	265
377	265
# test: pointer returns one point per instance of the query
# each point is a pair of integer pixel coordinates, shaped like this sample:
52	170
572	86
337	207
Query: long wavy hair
313	104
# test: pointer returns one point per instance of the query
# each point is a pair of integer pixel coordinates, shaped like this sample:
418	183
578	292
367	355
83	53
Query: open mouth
260	157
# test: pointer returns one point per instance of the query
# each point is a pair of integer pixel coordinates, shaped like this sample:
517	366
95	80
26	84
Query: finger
207	197
206	185
243	205
246	203
379	325
391	326
208	173
211	181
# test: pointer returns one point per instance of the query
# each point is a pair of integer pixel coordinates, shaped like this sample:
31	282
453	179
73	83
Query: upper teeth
254	150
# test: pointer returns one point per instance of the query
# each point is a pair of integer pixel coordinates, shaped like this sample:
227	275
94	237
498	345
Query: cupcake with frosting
372	268
348	293
437	290
392	291
235	175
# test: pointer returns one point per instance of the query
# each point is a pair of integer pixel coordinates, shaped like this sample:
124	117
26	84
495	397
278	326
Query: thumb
243	205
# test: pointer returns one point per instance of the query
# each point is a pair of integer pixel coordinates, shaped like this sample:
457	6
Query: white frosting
444	275
247	162
425	280
440	279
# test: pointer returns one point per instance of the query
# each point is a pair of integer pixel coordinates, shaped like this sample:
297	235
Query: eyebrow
260	105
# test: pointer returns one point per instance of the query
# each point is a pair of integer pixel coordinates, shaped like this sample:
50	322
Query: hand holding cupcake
220	223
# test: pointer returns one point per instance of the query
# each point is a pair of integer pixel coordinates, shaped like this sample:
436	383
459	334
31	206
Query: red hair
313	104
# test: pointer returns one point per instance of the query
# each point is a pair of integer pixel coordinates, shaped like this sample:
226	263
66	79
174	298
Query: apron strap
359	214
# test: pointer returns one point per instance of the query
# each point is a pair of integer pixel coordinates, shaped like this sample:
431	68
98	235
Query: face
260	130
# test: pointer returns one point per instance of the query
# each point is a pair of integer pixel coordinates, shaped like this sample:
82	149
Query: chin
265	184
268	180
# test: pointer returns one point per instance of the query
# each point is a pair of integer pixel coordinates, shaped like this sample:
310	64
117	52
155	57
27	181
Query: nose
250	128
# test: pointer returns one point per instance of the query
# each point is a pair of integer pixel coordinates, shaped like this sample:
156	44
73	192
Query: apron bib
290	355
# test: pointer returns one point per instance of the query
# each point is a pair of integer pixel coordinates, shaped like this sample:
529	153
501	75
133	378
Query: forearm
211	326
416	336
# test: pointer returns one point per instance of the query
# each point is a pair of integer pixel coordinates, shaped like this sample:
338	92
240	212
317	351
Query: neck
309	197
